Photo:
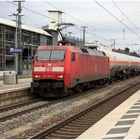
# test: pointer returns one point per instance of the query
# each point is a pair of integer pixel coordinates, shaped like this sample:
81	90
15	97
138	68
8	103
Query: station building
31	38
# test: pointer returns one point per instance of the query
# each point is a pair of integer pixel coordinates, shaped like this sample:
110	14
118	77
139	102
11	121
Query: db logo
49	69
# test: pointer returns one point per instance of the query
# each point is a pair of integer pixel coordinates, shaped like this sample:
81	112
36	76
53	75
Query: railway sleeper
87	119
61	136
67	132
72	129
86	122
78	124
83	121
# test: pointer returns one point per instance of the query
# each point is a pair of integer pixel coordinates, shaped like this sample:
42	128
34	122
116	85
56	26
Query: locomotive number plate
49	69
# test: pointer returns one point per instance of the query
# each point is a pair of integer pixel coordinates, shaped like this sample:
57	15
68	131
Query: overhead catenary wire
80	21
66	13
117	18
100	37
35	12
123	14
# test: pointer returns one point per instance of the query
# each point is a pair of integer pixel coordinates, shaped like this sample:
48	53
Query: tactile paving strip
120	129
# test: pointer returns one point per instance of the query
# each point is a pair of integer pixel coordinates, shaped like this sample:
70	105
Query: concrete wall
55	17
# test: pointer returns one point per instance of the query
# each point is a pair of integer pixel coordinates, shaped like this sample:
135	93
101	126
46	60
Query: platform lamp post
138	52
19	32
70	34
70	38
113	43
16	54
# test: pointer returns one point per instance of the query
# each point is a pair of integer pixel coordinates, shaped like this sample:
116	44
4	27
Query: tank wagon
62	70
122	65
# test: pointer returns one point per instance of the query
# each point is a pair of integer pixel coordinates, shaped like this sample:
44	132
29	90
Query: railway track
24	108
4	115
72	127
18	105
33	105
29	106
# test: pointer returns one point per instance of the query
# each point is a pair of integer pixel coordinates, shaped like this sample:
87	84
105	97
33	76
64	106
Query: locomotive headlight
36	76
60	76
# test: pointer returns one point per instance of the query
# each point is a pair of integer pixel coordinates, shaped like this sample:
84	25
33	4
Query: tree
126	50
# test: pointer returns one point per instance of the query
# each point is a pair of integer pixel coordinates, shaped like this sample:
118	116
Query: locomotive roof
52	47
84	50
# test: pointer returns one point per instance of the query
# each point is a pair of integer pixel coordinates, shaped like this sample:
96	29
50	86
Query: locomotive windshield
48	55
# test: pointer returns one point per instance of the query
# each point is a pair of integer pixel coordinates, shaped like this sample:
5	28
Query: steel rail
17	105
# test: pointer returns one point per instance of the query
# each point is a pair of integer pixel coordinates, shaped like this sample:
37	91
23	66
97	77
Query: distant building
31	38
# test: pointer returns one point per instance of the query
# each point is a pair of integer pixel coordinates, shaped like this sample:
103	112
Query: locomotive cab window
73	57
57	55
43	55
50	55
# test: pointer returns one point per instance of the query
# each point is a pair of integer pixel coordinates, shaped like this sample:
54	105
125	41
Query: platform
121	123
22	83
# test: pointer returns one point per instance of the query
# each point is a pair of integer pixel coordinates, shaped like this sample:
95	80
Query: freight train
122	65
62	70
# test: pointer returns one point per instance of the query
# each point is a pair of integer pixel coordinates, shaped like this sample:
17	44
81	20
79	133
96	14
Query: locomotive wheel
68	91
78	88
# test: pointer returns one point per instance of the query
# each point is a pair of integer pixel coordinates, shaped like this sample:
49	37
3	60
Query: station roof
24	27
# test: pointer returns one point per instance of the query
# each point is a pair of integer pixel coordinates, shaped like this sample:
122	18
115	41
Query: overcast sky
101	25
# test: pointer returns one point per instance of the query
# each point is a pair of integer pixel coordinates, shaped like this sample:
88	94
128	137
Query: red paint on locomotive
66	67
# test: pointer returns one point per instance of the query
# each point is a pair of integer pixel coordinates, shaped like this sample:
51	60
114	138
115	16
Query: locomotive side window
73	57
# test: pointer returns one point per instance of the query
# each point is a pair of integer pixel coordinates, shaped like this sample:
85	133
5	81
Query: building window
49	40
10	35
8	46
0	33
1	63
35	39
9	62
43	40
1	49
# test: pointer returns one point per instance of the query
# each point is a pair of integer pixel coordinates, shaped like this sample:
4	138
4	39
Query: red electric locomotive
60	70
